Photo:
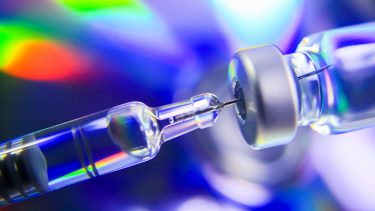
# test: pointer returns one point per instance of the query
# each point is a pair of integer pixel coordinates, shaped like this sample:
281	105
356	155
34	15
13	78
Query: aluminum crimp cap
268	107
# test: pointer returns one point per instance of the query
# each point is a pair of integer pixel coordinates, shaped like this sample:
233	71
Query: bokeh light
152	51
132	23
29	55
252	22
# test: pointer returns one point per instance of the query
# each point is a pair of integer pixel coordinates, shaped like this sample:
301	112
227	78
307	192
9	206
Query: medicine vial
328	84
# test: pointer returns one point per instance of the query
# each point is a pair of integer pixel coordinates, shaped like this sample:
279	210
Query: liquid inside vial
348	85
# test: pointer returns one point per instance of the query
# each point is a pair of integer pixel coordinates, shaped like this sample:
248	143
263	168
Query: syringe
97	144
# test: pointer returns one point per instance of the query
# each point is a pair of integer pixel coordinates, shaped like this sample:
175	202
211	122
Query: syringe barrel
77	150
97	144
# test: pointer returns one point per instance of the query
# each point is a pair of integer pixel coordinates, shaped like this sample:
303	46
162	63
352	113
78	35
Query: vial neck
308	86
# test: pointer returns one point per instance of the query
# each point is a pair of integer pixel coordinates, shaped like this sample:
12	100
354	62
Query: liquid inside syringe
94	145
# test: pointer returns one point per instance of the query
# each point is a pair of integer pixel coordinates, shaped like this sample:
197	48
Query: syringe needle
30	164
229	102
208	109
313	72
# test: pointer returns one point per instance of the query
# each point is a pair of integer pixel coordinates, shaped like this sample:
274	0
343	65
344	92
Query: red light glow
44	60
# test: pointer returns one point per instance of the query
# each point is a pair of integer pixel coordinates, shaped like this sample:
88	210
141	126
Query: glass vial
328	83
345	100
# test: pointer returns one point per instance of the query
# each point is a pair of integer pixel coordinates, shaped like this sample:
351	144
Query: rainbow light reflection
29	55
131	22
79	175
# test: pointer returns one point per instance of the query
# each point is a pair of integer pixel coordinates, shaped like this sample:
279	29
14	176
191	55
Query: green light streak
11	36
73	174
93	5
342	104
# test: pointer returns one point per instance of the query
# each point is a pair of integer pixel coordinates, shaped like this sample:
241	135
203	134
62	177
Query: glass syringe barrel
71	152
95	145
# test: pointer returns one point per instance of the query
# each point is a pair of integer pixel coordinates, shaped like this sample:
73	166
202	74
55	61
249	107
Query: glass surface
78	150
97	144
347	86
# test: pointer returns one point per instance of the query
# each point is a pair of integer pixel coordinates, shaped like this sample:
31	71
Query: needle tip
230	102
